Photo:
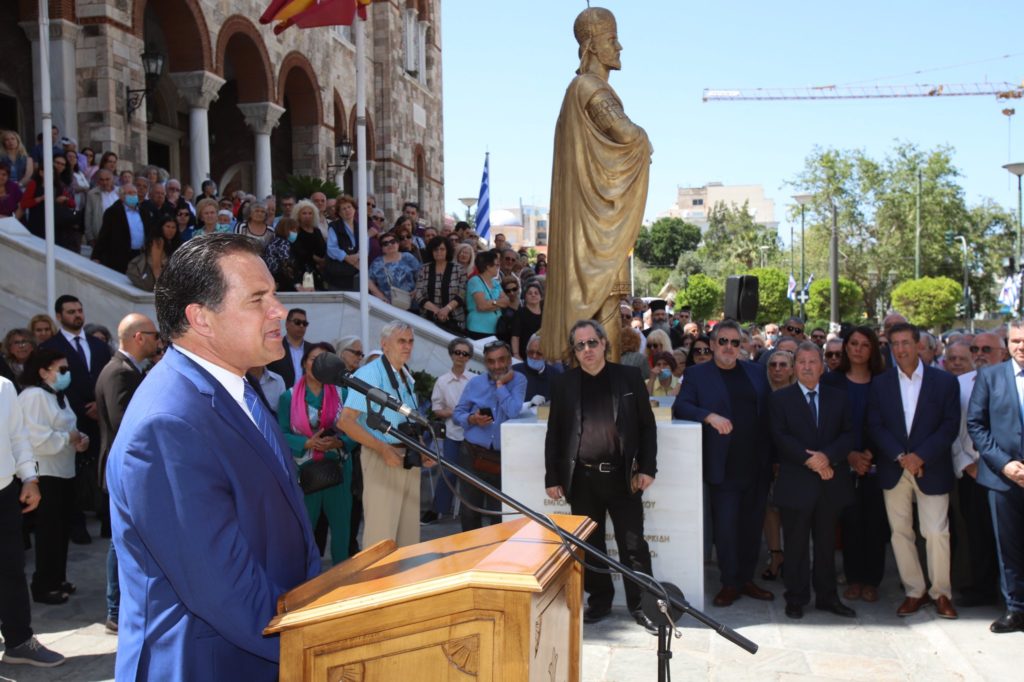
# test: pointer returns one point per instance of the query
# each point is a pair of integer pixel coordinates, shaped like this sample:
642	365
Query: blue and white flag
483	204
791	291
1009	296
807	287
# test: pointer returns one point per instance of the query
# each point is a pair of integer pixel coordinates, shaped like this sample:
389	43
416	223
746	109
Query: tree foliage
734	243
704	296
929	302
662	243
851	300
304	186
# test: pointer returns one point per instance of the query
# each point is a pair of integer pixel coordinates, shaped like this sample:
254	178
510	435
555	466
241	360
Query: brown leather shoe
853	591
869	593
912	605
755	592
726	596
944	607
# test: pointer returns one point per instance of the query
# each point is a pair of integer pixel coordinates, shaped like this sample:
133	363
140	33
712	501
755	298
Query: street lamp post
469	203
968	312
1018	170
917	231
803	200
834	261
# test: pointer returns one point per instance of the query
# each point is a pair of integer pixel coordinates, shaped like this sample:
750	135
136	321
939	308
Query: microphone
328	368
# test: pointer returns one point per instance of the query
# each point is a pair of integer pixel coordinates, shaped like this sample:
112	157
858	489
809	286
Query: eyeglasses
62	370
184	213
300	323
370	205
512	290
535	354
654	346
21	342
579	346
735	343
701	351
778	364
833	354
377	218
357	353
982	349
794	330
462	353
388	242
494	344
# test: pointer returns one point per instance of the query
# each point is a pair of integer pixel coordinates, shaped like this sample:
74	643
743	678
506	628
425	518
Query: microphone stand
665	602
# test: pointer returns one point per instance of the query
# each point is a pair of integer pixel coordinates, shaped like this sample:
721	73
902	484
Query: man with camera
391	477
488	401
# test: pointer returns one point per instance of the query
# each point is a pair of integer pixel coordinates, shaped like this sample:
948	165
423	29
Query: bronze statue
598	192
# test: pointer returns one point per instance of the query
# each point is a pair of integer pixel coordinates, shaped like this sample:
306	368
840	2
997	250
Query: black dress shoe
838	608
51	597
593	615
80	536
794	611
68	588
1012	621
643	621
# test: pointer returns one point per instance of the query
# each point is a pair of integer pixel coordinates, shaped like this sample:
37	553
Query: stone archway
297	145
190	48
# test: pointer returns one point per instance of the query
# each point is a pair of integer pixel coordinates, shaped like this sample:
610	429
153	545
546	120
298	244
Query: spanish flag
312	13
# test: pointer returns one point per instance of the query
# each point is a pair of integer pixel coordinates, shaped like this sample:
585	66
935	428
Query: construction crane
1001	91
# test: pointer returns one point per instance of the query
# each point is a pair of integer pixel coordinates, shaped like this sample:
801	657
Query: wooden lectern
500	603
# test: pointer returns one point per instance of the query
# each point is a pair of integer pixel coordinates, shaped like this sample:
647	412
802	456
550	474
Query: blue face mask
131	201
62	381
536	364
292	236
665	373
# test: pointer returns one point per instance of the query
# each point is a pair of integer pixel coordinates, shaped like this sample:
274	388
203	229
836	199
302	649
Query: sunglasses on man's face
300	323
981	349
833	354
794	330
725	342
462	353
778	365
579	346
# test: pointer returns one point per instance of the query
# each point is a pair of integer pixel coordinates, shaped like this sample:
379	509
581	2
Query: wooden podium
500	603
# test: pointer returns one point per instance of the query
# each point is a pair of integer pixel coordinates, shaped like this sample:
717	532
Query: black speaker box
741	298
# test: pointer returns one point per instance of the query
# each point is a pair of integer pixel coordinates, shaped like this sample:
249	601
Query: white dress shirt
85	344
233	383
964	452
49	429
910	391
16	457
447	391
273	386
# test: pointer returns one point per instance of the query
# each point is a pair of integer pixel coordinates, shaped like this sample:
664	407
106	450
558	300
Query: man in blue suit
913	418
730	397
208	520
994	420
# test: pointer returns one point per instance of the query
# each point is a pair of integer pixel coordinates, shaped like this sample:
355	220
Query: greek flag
791	291
807	287
483	204
1010	293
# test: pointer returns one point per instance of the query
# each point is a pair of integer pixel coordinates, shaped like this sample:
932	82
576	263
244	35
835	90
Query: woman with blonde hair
14	152
657	342
42	327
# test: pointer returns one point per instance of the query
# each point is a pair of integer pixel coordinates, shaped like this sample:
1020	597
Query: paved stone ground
875	646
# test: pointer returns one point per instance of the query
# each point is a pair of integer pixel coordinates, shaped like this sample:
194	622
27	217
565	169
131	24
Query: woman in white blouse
55	439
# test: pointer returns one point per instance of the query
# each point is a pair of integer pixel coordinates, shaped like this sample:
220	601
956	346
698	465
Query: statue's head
597	35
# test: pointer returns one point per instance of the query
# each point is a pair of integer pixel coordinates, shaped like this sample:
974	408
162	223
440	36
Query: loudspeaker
741	298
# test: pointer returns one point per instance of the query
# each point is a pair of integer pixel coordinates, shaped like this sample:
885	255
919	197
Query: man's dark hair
285	195
817	329
41	358
295	311
193	275
411	204
58	307
461	225
904	327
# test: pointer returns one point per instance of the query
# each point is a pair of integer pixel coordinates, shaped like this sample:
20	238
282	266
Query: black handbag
319	475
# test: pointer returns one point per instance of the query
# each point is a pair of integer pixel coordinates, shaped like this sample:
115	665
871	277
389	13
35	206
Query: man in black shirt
600	454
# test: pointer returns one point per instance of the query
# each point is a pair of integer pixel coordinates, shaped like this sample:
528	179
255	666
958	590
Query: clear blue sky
506	66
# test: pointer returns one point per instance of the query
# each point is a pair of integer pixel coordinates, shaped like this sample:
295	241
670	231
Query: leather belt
603	467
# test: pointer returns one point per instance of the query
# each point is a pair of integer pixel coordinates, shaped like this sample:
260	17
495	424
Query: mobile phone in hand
486	411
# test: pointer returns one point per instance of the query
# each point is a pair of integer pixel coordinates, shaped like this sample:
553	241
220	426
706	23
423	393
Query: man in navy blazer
994	421
730	397
813	435
913	418
209	524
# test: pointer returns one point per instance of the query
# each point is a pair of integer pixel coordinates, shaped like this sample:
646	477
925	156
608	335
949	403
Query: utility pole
834	253
917	231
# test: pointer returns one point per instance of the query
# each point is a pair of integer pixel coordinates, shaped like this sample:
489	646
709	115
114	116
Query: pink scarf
300	417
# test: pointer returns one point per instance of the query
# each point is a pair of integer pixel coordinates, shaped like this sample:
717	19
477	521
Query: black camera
415	432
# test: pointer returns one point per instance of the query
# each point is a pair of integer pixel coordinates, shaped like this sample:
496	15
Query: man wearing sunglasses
295	345
793	328
600	454
730	398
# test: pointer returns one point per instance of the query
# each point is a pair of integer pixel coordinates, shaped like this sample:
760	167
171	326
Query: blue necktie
813	405
81	351
265	424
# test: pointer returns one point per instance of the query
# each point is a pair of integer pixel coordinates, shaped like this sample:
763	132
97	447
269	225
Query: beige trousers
933	520
391	501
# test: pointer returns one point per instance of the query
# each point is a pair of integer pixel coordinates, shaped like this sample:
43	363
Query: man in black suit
295	346
600	453
995	422
86	356
138	340
813	434
123	232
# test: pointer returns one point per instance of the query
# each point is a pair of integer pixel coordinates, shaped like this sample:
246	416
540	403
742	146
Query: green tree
663	242
304	186
929	302
851	300
734	242
704	296
772	285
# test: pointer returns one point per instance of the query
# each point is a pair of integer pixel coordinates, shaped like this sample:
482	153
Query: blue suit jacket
209	530
994	422
936	425
703	392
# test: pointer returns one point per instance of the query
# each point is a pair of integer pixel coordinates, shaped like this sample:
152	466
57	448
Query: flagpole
359	25
47	145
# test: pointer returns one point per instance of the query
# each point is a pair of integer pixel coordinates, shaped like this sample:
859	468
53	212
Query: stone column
63	83
262	118
199	89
